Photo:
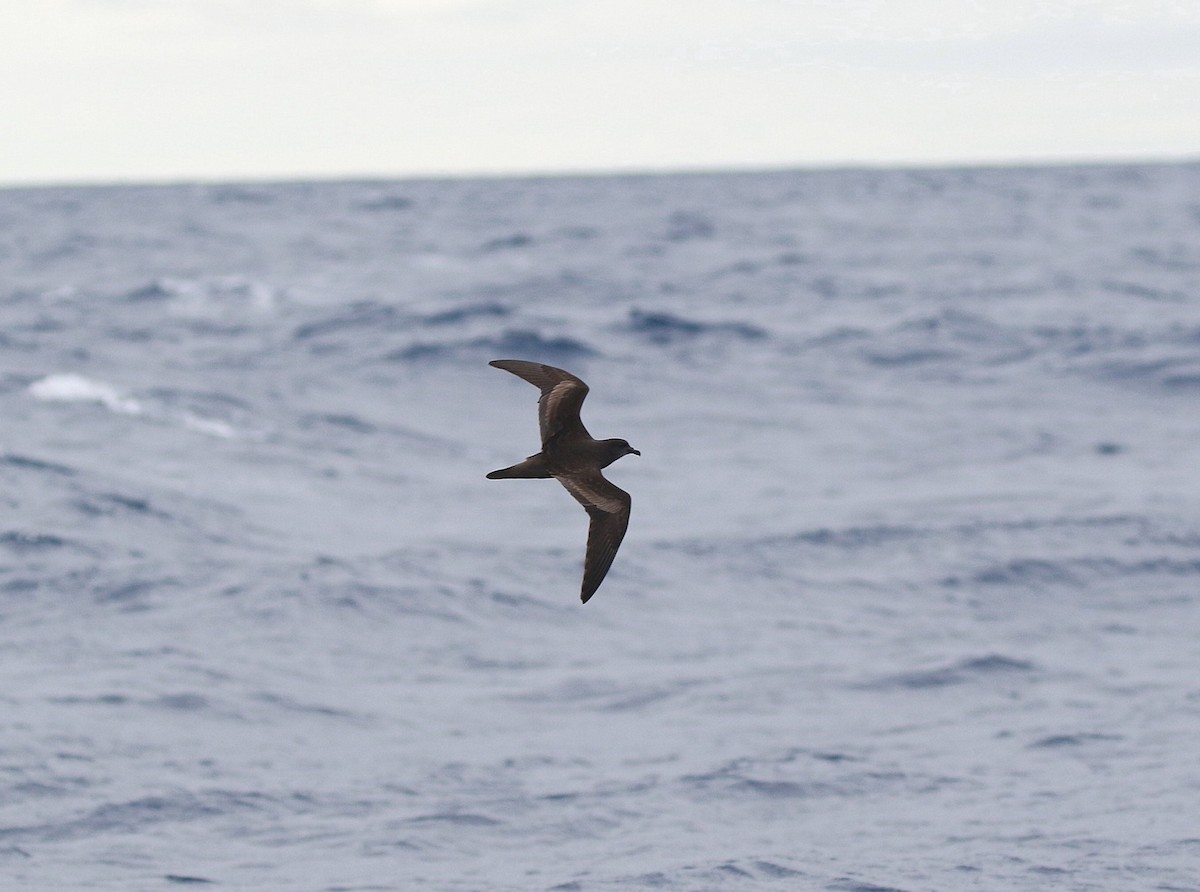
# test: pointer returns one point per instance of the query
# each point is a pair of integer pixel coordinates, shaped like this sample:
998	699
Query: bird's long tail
532	467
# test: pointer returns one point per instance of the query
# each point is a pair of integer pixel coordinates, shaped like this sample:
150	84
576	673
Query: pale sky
131	90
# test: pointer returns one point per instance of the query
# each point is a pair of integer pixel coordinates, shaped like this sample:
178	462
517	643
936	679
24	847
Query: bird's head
616	448
626	449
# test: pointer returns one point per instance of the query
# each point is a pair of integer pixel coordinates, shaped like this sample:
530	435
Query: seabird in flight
572	457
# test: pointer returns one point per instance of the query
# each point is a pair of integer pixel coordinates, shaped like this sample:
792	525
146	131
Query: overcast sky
100	90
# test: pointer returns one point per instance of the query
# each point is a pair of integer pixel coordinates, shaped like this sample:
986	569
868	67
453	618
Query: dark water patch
640	699
685	226
849	885
741	268
355	598
1183	381
775	871
492	309
668	328
20	586
853	538
136	815
365	314
1036	574
36	790
1178	257
154	292
835	757
23	543
131	335
1080	340
1043	870
791	776
782	789
240	195
457	819
214	329
1144	292
524	603
24	462
1057	741
606	697
507	242
835	337
97	700
1109	448
901	358
386	203
1179	375
655	880
288	704
486	664
949	336
514	342
730	869
185	702
579	233
108	504
132	594
961	672
1026	572
345	422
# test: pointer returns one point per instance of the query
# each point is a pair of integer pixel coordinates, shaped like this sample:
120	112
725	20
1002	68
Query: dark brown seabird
572	457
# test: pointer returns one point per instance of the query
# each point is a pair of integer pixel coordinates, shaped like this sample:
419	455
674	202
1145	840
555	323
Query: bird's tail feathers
532	467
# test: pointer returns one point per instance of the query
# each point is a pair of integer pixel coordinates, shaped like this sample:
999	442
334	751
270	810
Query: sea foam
72	388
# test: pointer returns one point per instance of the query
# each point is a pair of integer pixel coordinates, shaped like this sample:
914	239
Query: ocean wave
507	242
207	296
107	504
1057	741
797	774
135	815
386	203
1179	375
362	315
455	315
668	328
27	463
956	342
1035	574
211	427
24	543
226	194
950	336
71	388
685	226
964	671
514	342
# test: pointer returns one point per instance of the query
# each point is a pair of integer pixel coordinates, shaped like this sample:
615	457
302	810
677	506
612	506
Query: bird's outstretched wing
562	396
608	507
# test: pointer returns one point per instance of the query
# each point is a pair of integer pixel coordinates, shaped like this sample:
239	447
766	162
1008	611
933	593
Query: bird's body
573	457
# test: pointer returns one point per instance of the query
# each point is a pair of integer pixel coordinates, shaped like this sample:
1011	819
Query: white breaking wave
209	426
72	388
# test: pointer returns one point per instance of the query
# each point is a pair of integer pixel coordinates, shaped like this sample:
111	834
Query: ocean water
910	599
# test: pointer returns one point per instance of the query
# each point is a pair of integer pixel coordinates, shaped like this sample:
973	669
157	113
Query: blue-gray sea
910	599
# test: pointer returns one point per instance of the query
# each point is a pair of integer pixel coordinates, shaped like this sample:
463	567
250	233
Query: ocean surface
910	599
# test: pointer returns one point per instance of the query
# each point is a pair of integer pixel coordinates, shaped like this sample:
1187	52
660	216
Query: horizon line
632	170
